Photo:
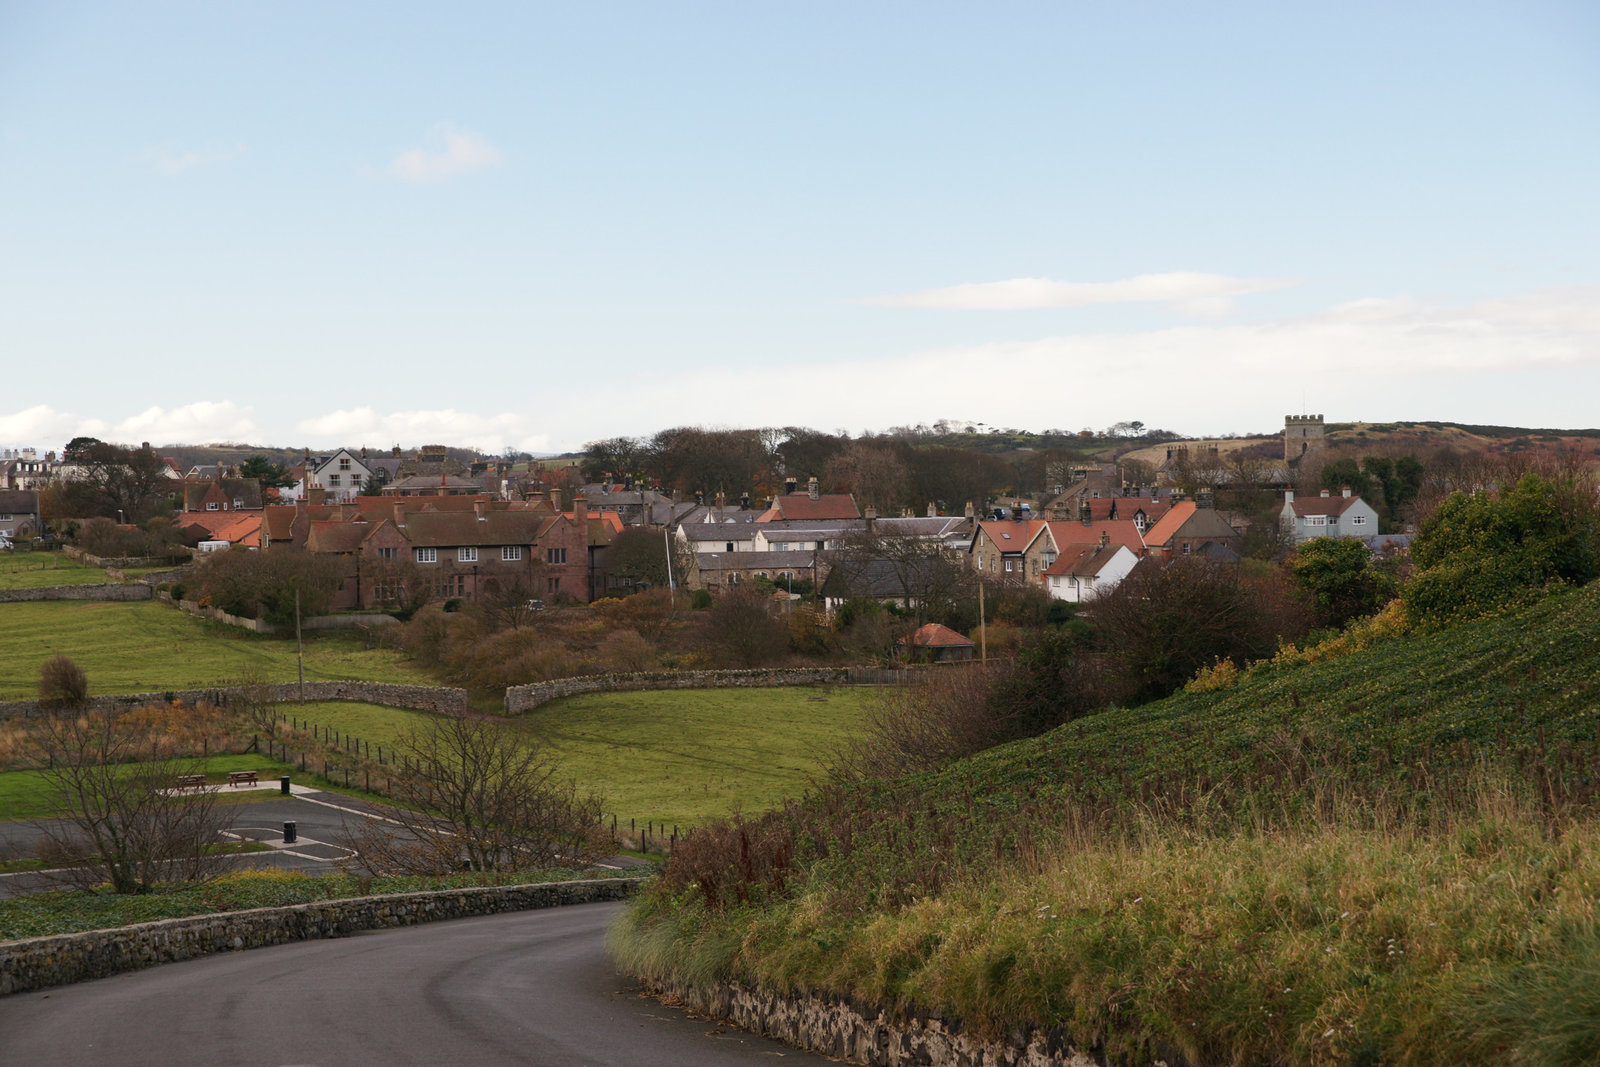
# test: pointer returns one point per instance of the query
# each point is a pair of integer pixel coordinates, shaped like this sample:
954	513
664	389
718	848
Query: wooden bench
190	781
236	778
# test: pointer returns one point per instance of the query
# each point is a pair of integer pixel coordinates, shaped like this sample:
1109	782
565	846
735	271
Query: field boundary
42	962
521	698
436	698
109	591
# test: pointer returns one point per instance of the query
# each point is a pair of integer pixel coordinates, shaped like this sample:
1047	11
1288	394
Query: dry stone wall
521	698
134	591
442	699
865	1035
42	962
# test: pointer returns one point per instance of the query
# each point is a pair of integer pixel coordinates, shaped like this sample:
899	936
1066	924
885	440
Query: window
555	555
1358	520
211	505
553	585
333	479
427	555
344	465
509	553
388	553
1317	520
729	548
467	555
238	502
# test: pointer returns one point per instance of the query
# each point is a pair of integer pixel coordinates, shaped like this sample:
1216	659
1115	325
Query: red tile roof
804	506
933	635
1121	532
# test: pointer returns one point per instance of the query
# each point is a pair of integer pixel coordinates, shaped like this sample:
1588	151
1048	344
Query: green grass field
30	795
683	756
678	757
151	647
34	570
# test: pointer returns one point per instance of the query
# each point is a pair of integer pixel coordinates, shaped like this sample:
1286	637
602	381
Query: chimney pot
813	489
1324	492
478	507
1345	490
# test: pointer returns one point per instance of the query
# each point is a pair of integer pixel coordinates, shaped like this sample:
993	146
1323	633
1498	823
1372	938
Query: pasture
150	647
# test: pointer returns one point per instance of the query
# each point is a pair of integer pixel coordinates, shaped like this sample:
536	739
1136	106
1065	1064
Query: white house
342	475
1083	572
1327	516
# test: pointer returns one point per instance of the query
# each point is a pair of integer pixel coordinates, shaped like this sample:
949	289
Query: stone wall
436	698
74	552
42	962
521	698
135	591
262	626
846	1031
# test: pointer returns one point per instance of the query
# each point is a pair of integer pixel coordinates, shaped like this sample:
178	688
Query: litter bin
290	834
283	785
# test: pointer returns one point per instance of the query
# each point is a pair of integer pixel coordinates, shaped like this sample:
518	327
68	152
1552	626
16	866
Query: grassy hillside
150	647
1385	857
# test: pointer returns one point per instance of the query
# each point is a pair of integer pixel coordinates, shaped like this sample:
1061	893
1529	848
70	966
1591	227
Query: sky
533	225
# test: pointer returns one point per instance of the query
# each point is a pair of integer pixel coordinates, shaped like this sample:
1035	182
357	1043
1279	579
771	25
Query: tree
639	555
1480	552
264	585
1161	624
126	484
873	474
1340	578
63	685
742	628
480	794
123	820
271	475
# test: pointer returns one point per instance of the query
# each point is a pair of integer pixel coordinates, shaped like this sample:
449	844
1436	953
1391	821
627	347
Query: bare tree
480	795
125	820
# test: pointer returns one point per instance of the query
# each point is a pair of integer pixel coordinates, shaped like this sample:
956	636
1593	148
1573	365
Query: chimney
1202	499
971	512
1346	491
1086	514
1288	496
812	489
555	501
1105	538
933	511
399	512
722	500
1324	492
699	499
790	485
744	501
872	517
478	507
580	508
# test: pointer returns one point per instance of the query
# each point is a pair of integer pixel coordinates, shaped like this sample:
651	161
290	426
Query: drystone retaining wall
262	626
42	962
74	552
521	698
844	1031
442	699
136	591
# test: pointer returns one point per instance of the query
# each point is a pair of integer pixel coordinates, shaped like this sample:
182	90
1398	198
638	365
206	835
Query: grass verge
66	911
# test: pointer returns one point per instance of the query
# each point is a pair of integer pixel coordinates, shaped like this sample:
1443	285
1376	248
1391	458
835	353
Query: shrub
63	685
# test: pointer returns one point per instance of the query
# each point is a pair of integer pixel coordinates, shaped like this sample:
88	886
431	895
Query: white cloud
46	429
1200	291
443	426
201	422
464	152
172	162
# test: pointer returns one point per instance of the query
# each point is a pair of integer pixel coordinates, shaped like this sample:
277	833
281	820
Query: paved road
527	988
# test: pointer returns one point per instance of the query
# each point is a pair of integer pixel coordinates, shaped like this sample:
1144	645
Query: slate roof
19	501
446	528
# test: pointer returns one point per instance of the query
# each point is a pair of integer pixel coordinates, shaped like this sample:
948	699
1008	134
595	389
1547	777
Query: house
811	505
19	514
1084	571
221	494
903	583
933	643
486	548
23	468
725	570
1327	516
999	547
1189	526
242	529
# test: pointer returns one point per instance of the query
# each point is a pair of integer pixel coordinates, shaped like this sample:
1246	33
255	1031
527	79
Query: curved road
532	987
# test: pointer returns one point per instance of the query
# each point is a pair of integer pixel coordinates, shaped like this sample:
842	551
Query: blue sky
537	225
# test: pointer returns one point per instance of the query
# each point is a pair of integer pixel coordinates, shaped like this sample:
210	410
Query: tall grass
1356	930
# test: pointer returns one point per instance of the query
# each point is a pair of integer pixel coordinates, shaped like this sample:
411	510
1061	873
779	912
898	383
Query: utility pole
299	646
983	631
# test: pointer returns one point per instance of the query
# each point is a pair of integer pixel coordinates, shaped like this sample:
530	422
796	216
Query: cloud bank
464	152
1194	291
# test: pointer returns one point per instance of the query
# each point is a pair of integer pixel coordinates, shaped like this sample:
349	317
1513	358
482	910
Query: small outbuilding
933	643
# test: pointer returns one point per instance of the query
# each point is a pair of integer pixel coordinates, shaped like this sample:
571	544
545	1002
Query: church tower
1302	435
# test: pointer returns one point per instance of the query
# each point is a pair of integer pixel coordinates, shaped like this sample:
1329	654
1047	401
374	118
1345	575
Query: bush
263	585
63	685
